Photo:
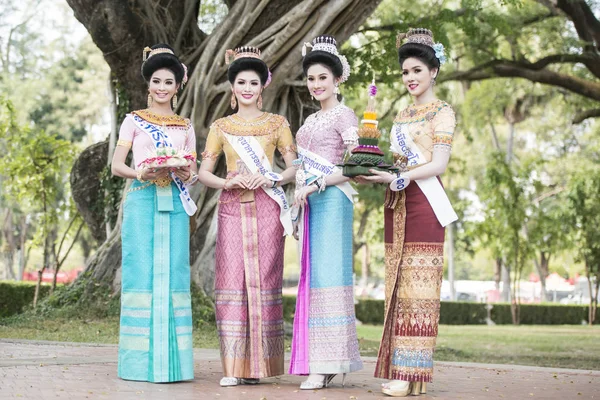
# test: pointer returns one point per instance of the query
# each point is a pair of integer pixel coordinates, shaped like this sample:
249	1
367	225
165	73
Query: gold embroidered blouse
431	125
270	130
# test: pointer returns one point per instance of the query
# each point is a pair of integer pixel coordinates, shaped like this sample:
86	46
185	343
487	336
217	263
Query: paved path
54	370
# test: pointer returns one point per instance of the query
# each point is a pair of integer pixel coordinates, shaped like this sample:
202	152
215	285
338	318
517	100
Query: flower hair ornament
329	45
148	52
246	52
425	37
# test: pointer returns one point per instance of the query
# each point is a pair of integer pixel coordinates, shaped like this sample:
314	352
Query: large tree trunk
279	27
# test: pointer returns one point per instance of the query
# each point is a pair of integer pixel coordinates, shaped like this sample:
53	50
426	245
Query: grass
545	346
85	331
560	346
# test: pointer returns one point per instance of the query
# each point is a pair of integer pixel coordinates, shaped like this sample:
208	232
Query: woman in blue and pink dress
325	341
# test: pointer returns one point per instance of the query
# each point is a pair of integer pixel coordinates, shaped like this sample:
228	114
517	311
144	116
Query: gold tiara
148	52
416	35
241	52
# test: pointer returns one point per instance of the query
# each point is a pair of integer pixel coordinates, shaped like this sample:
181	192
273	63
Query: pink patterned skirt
248	281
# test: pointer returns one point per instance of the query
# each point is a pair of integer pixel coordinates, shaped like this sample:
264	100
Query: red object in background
573	280
533	277
492	296
48	276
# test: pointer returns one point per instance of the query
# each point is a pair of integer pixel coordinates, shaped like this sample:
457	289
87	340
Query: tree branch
393	27
582	116
586	23
529	71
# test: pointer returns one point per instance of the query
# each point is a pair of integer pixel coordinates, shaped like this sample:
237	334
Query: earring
233	101
433	82
174	102
259	102
312	97
336	89
150	100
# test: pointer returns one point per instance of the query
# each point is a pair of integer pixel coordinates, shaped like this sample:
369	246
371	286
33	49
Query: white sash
318	166
161	139
252	154
403	144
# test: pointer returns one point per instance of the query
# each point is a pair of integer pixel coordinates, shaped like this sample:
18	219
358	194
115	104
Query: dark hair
329	60
163	60
248	64
422	52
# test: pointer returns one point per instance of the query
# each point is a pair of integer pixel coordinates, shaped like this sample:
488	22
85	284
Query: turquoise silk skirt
155	338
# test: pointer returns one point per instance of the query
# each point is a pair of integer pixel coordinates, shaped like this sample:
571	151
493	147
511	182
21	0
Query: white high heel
320	384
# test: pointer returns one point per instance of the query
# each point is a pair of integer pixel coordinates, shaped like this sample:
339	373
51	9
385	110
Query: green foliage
62	104
72	301
38	163
504	193
545	314
17	296
289	307
370	311
211	13
584	205
112	187
203	308
462	313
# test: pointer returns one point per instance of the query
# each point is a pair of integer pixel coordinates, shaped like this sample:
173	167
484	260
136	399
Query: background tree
37	164
584	202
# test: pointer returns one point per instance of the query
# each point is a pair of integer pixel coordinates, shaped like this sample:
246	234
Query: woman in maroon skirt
415	217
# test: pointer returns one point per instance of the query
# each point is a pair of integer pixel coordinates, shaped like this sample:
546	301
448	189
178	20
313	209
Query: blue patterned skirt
331	324
155	338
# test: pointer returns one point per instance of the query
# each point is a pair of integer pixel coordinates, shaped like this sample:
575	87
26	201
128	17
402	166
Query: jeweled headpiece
329	45
246	52
241	52
149	52
422	36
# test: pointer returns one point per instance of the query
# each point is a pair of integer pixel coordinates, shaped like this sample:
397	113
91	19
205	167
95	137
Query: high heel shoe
397	388
320	384
423	387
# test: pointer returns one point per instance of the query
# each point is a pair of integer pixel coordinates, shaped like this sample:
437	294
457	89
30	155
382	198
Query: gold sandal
396	388
415	389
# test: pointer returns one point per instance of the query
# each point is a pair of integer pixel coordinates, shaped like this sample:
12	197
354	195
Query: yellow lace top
431	125
270	130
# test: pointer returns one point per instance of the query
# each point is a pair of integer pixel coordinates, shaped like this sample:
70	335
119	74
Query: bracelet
191	179
274	184
139	175
226	182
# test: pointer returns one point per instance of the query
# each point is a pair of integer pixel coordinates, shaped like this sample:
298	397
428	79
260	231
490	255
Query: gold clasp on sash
162	182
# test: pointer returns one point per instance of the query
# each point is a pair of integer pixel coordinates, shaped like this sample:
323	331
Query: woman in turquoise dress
155	338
